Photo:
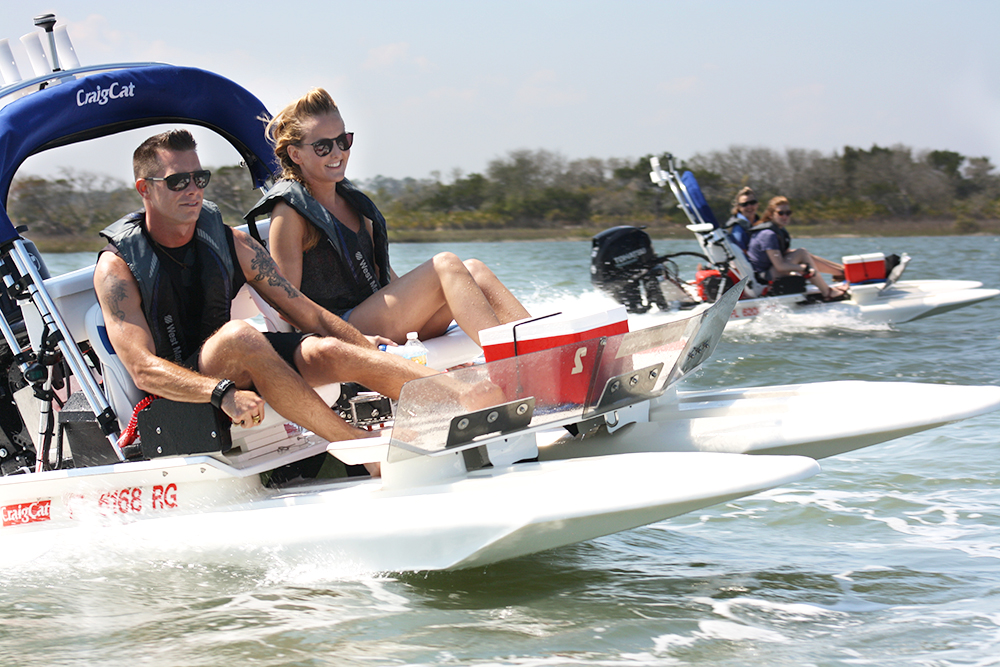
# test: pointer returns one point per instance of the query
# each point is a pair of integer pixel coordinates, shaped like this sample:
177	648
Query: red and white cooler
864	268
565	375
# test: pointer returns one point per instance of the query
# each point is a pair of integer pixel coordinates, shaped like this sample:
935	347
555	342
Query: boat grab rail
65	75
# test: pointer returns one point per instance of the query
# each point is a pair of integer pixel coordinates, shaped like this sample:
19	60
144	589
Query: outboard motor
623	265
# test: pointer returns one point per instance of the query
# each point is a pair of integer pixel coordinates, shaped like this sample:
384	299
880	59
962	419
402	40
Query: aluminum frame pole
71	353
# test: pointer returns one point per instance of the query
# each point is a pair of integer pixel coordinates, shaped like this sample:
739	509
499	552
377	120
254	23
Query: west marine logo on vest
101	96
18	515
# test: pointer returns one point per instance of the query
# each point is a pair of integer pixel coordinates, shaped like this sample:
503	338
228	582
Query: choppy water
889	556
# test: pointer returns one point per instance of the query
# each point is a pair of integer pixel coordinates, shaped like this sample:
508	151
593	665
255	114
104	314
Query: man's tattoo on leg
266	269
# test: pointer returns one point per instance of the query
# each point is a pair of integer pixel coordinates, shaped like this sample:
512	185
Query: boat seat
720	249
121	391
272	320
249	300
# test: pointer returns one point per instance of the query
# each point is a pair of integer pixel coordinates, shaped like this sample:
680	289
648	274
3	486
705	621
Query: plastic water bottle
413	350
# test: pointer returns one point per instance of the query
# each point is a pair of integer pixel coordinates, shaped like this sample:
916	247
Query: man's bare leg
325	360
241	353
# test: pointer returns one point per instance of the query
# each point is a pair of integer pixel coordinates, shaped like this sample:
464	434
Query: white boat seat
272	319
720	249
121	391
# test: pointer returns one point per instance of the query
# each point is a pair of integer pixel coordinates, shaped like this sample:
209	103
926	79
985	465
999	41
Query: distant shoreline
870	229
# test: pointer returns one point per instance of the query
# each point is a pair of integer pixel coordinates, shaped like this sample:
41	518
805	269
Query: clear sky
434	86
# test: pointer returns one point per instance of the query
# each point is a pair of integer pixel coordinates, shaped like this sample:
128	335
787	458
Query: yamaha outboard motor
623	264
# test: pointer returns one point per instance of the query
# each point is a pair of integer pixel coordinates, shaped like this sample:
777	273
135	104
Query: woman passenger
744	216
770	254
330	240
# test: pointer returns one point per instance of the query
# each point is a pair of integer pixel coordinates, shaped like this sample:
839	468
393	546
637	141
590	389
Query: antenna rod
48	22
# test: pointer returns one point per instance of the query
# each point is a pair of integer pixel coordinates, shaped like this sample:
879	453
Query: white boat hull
488	516
903	302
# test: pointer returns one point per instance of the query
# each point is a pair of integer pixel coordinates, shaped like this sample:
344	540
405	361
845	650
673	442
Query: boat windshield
462	408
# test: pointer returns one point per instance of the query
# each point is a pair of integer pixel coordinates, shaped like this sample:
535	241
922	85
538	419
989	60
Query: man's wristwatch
220	392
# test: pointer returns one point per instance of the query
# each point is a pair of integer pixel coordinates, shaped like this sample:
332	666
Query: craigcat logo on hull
22	513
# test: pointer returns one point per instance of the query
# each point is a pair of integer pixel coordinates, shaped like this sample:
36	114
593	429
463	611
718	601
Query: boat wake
782	321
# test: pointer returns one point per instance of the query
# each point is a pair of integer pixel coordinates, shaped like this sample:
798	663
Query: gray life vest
215	267
295	195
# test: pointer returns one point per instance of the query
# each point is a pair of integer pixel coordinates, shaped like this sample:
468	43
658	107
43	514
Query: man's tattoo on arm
116	294
266	270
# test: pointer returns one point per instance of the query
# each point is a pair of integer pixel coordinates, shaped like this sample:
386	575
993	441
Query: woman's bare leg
413	300
827	266
505	305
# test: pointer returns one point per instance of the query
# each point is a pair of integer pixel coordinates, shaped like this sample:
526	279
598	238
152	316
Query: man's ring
256	419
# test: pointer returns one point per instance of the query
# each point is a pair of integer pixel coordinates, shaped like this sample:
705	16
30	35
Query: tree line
543	190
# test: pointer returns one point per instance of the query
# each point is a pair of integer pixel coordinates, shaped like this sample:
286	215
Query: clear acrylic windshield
462	408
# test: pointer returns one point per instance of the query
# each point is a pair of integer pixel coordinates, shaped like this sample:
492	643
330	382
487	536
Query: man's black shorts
284	343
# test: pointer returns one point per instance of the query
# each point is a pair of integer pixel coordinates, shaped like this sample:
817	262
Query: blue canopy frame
107	103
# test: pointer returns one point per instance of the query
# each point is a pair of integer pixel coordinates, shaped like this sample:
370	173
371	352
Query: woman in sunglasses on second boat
329	239
771	255
744	215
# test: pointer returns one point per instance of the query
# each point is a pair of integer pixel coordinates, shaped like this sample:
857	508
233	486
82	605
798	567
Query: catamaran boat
582	439
624	265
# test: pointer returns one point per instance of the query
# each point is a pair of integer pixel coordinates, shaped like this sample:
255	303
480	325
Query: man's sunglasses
324	146
178	182
749	202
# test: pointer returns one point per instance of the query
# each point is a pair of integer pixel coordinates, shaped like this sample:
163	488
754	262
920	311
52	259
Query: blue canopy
109	102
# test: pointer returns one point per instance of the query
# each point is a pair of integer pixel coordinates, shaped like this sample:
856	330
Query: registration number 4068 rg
131	500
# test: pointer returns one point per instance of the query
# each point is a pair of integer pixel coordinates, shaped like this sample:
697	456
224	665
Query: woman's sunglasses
178	182
782	212
749	202
324	146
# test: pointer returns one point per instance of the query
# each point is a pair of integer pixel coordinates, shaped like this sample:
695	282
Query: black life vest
295	195
782	284
215	267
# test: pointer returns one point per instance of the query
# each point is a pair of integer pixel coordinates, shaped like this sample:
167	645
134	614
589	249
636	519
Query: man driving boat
166	282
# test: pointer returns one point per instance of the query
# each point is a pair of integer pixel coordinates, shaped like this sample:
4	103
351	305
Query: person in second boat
330	240
744	216
165	284
771	255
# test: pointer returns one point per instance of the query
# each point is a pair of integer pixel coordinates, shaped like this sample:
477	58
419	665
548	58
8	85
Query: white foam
796	611
782	321
664	643
738	632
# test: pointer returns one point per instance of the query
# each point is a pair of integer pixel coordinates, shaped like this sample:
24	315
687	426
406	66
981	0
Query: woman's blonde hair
285	130
747	190
772	206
